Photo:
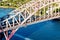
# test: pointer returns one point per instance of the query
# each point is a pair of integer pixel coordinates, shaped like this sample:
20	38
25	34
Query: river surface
5	11
47	30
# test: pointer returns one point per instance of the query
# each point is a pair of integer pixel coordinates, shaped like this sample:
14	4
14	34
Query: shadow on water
1	36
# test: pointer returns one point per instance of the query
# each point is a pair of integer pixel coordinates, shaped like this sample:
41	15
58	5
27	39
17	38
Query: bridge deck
33	21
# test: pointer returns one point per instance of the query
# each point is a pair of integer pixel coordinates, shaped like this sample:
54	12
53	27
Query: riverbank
7	7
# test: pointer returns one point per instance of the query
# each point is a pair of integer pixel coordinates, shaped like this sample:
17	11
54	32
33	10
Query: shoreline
7	7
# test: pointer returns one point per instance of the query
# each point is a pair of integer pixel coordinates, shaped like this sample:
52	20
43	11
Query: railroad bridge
30	13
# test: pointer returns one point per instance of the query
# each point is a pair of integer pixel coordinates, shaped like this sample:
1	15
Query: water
5	11
48	30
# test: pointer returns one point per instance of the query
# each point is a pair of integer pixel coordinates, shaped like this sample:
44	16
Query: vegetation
13	3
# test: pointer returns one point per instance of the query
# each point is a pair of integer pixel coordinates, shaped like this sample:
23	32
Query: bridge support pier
7	36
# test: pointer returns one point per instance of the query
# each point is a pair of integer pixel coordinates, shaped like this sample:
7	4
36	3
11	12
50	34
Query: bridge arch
26	11
28	15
